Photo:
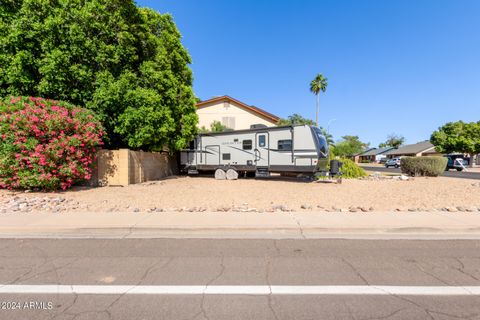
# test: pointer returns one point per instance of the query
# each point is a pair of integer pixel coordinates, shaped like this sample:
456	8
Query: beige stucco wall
123	167
218	110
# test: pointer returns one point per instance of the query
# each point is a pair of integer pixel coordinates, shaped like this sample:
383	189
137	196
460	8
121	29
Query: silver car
395	162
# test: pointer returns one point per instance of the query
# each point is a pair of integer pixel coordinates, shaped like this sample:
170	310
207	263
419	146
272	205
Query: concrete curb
292	225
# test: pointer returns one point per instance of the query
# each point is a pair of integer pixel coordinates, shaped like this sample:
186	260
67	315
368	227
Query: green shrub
350	170
423	166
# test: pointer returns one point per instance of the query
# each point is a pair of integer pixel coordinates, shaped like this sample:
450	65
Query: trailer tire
220	174
232	174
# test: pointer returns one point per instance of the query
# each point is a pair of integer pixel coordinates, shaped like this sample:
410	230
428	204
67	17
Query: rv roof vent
258	126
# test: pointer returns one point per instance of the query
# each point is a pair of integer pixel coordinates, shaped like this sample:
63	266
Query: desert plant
350	170
423	166
46	144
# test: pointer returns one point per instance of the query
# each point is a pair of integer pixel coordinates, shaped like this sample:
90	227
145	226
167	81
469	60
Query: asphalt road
450	174
240	263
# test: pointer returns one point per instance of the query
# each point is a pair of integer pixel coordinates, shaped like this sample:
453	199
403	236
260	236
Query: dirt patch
208	194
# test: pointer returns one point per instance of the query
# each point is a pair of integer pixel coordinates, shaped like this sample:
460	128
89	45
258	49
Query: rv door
261	149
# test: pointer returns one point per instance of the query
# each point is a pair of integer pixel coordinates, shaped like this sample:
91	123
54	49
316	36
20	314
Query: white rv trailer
259	151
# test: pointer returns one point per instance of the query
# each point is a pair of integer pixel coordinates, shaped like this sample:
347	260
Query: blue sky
404	66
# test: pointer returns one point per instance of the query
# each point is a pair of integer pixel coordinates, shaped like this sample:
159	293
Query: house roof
375	151
412	148
363	151
256	110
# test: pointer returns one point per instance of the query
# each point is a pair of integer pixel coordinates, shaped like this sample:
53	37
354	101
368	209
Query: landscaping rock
281	208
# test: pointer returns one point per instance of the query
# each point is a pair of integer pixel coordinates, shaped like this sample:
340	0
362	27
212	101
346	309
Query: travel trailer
258	151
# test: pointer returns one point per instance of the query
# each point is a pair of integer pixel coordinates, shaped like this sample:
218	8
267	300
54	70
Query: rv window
261	141
247	144
323	146
226	156
285	145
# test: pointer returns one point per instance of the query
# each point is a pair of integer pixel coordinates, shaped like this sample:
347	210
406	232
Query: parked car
383	160
395	162
456	163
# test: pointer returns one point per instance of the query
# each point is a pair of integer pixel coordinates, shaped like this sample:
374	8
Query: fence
123	167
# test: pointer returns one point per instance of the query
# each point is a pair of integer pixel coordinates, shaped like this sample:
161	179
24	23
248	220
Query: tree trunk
318	103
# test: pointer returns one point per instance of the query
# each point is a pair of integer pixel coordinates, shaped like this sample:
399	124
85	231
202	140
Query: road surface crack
130	229
269	297
419	267
142	278
355	271
203	312
386	316
462	270
299	227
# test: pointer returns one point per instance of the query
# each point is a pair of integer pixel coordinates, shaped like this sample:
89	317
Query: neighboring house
232	113
356	157
373	155
424	148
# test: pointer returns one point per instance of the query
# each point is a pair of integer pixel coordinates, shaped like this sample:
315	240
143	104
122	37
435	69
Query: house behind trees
232	113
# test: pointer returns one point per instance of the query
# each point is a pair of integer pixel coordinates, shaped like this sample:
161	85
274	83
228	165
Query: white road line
242	290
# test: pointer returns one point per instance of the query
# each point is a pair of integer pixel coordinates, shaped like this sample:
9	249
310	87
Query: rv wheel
220	174
232	174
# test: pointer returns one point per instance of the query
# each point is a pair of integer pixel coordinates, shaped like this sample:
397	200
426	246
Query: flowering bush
46	144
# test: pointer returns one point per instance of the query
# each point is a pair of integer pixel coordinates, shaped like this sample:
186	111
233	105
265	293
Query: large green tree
349	146
317	85
393	140
458	136
124	62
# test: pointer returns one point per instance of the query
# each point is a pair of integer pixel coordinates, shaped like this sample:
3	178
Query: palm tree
328	136
318	84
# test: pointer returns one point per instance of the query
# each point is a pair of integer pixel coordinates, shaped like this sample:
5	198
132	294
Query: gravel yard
207	194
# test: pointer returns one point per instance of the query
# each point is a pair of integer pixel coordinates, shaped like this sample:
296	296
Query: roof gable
260	112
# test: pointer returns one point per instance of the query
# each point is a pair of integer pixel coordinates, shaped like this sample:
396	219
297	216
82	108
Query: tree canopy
295	119
349	146
319	83
393	140
123	62
215	126
457	136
